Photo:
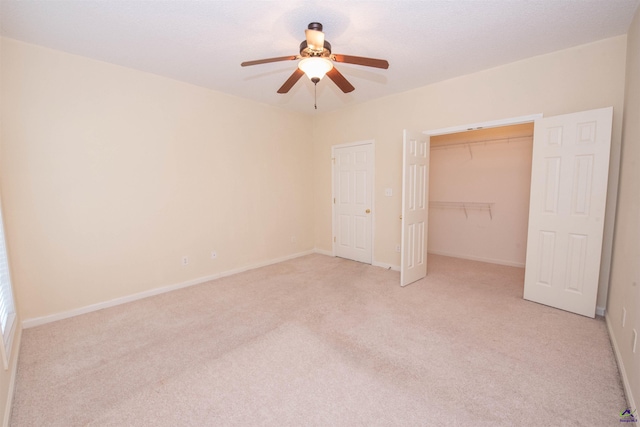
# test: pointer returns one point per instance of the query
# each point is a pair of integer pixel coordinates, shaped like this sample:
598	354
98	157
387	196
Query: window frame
7	301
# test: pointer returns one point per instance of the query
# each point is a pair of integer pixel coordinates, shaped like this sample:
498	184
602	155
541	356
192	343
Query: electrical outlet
624	316
388	192
397	248
185	260
214	255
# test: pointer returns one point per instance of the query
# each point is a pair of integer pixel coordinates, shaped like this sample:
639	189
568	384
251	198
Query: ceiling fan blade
340	80
265	61
359	60
293	79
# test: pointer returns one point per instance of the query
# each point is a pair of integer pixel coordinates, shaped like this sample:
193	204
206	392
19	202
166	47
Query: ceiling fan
316	61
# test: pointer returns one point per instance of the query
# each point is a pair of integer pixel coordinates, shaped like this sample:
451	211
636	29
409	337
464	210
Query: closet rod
483	141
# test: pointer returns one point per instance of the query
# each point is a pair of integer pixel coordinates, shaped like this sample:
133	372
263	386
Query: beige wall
624	290
110	176
582	78
496	171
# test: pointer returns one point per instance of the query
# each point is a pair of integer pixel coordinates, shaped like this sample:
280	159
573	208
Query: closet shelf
465	206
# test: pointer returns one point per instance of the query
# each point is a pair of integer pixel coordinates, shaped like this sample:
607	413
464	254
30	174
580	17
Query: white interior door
570	170
353	191
415	207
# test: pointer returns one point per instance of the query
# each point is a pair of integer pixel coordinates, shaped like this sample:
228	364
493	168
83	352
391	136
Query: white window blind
7	306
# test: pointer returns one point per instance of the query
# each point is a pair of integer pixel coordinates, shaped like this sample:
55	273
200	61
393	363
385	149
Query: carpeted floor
324	341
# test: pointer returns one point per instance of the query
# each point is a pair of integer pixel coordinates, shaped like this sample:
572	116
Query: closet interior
479	185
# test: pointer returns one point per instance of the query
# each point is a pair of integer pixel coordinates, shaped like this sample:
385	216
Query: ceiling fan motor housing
305	51
310	46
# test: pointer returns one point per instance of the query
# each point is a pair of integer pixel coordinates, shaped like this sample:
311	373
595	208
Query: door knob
368	211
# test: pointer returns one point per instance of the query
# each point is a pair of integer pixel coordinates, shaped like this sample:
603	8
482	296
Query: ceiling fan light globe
315	67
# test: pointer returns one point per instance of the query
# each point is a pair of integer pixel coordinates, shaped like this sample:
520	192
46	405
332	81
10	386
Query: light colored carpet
324	341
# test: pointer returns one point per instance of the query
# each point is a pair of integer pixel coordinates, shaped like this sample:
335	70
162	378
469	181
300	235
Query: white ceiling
204	42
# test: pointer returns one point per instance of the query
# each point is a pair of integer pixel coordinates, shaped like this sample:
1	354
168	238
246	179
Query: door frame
485	125
372	143
600	311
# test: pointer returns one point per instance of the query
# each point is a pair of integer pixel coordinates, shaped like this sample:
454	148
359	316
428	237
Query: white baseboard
374	263
386	266
37	321
323	252
623	373
475	258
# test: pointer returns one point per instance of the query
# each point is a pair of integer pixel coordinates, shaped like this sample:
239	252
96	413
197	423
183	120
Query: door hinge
334	239
334	200
333	159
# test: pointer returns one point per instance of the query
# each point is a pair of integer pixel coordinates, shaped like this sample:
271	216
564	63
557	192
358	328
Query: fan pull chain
315	81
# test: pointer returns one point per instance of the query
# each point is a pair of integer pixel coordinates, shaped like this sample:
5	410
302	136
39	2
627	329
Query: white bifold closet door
570	170
415	207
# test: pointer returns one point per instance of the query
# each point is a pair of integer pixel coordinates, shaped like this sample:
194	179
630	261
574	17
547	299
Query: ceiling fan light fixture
315	67
315	40
316	61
